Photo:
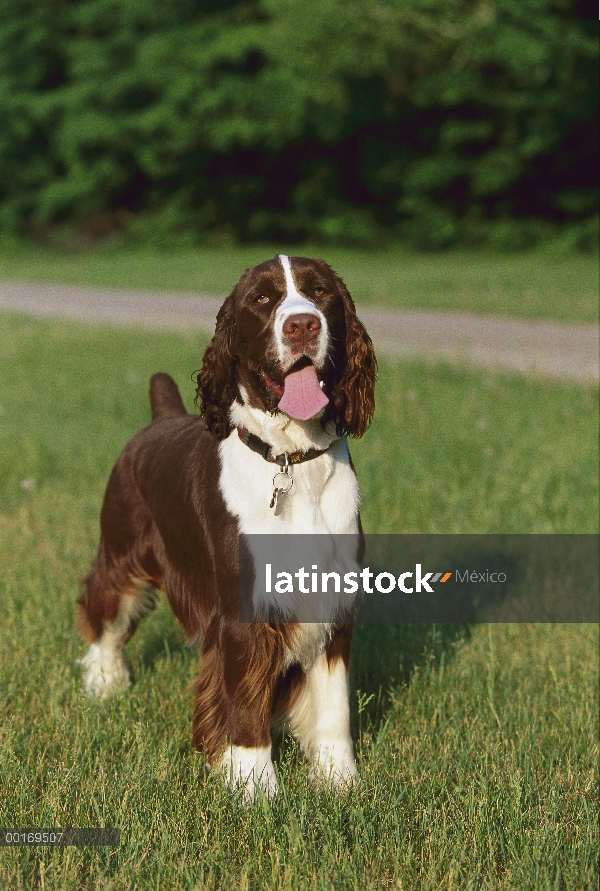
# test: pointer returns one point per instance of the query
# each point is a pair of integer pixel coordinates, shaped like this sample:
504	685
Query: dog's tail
165	400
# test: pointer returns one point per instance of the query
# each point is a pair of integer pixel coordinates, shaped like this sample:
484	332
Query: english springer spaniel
287	377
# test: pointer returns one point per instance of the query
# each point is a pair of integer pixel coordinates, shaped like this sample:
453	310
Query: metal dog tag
274	498
282	483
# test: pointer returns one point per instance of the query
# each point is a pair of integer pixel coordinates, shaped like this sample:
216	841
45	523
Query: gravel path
520	346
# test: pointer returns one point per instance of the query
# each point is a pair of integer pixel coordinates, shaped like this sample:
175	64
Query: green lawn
539	284
477	748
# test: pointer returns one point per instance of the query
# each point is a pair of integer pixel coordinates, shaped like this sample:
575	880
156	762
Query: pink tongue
302	396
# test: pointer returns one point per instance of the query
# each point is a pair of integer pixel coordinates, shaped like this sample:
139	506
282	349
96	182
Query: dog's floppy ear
354	394
217	387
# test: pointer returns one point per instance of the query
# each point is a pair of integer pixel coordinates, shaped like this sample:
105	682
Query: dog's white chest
323	499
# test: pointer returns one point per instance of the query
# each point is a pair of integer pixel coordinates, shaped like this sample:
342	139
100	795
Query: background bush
437	120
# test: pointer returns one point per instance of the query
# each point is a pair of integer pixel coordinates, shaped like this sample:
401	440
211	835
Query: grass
539	284
477	748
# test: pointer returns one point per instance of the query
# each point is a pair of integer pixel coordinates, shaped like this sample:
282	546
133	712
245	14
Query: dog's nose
301	328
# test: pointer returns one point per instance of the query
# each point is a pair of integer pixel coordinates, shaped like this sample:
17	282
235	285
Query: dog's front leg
320	716
234	700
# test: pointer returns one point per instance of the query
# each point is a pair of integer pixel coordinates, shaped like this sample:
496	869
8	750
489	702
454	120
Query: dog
288	376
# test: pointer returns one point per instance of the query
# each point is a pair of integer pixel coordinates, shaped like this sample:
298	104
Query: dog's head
288	340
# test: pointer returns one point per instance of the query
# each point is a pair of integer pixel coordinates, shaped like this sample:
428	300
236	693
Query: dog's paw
104	671
249	770
334	764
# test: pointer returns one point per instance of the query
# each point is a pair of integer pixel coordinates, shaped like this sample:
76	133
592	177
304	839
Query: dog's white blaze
247	769
291	291
320	719
105	671
293	304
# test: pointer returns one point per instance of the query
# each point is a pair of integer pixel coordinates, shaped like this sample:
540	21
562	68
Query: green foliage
296	118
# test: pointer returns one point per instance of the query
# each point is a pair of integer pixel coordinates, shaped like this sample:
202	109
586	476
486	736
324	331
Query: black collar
264	450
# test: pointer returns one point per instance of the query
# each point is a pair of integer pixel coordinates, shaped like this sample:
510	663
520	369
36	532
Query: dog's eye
262	299
319	291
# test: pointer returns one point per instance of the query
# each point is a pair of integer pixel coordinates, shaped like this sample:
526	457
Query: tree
295	118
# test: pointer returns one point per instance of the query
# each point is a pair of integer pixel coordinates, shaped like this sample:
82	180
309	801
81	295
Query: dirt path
520	346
